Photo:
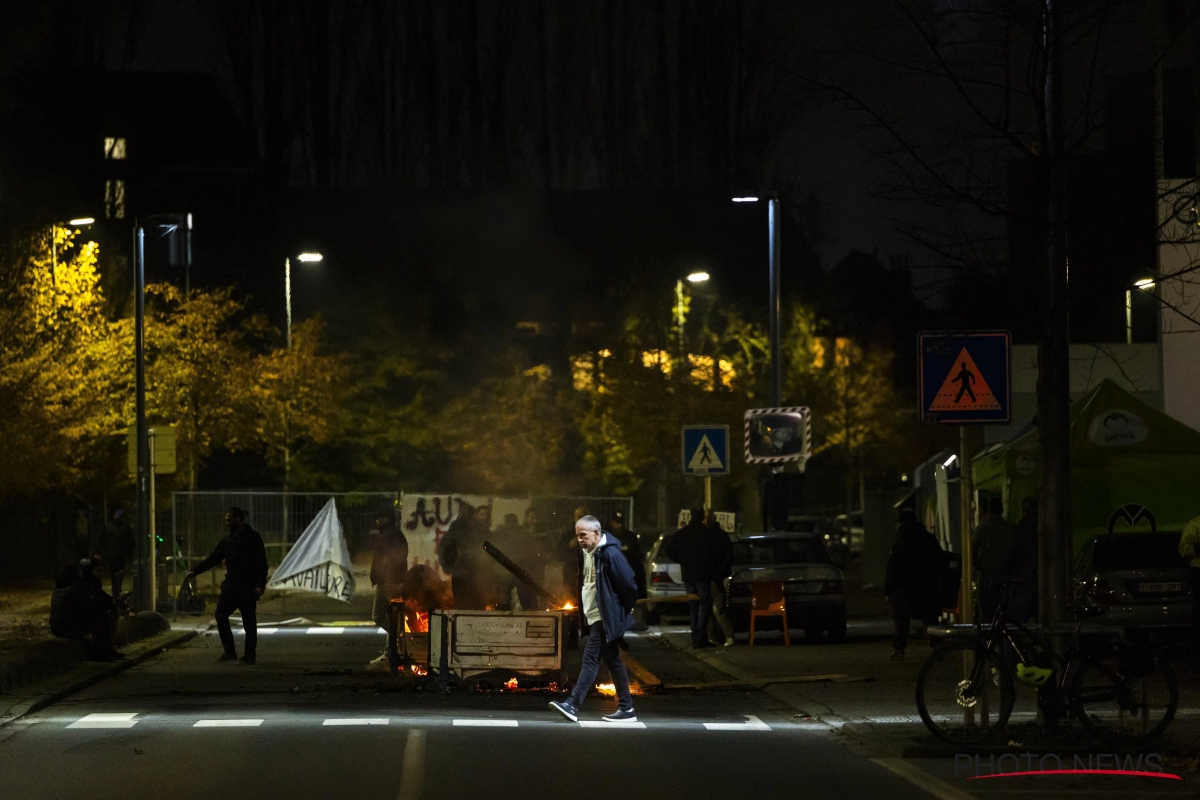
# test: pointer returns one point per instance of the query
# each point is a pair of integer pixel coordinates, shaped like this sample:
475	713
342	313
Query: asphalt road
308	722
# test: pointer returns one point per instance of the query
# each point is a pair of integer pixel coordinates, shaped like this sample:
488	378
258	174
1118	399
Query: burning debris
511	683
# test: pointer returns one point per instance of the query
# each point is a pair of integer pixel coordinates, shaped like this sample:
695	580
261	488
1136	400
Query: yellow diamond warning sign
964	388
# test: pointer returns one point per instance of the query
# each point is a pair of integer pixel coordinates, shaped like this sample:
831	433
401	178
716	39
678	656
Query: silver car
1139	578
812	584
664	582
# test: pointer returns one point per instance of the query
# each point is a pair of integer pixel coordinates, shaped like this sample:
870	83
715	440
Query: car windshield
765	552
1137	551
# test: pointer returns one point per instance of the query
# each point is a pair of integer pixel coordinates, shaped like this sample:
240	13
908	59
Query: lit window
114	147
818	351
582	373
114	199
657	359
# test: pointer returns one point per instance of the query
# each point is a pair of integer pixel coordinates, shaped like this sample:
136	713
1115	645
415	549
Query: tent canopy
1132	466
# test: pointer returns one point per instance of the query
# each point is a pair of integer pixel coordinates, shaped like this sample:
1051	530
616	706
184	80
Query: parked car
1139	578
664	581
836	543
850	527
812	584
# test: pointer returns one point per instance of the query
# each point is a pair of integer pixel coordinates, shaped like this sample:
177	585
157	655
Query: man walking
245	579
607	595
913	569
691	548
389	567
721	551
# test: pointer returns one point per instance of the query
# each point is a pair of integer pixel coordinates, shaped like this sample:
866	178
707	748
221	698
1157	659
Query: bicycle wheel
964	693
1123	700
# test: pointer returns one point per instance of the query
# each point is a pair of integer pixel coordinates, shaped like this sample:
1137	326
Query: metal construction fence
197	521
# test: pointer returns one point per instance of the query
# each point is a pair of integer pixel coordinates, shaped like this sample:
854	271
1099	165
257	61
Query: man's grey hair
588	520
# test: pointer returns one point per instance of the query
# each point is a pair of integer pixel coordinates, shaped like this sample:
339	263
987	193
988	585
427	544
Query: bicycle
1121	692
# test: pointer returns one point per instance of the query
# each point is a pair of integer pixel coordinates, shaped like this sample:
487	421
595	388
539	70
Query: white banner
425	518
319	561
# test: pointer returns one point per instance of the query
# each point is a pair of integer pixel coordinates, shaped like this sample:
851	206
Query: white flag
319	561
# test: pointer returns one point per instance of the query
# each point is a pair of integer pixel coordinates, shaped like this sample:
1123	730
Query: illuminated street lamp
1144	285
79	222
699	276
305	258
773	276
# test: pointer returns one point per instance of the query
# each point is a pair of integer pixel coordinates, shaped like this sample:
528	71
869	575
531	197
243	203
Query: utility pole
773	270
145	598
1054	389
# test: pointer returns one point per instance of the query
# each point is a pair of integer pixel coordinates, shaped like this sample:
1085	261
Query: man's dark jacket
118	543
632	550
390	562
915	567
691	548
245	561
616	590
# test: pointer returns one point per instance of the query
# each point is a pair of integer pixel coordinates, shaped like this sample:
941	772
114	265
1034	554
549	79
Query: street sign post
706	453
964	376
965	379
162	462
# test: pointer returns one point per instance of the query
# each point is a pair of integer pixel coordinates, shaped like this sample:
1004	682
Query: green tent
1132	466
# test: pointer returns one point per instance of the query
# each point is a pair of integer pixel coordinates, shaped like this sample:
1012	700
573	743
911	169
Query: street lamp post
307	258
773	269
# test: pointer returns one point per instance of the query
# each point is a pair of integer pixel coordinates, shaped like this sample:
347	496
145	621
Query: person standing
993	550
691	548
721	551
1189	548
913	569
117	546
607	594
389	567
245	580
1023	589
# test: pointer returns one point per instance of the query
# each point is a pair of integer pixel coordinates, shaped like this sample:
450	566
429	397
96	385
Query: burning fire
608	689
511	683
416	620
568	607
418	670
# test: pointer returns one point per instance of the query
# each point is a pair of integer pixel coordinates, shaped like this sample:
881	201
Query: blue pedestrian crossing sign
705	449
964	376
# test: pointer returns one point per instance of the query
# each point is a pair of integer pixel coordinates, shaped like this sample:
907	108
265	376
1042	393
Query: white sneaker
380	664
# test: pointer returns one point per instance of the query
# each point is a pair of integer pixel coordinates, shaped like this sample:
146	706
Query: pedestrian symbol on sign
964	388
705	457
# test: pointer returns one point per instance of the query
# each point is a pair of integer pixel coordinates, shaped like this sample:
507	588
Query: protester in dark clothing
510	539
607	594
691	548
389	566
993	546
1023	589
914	567
632	549
245	580
80	609
473	573
117	546
722	554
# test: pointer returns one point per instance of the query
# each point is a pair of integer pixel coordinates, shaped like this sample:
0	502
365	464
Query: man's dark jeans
699	611
594	651
245	602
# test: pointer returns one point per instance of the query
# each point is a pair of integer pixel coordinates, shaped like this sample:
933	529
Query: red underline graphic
1128	772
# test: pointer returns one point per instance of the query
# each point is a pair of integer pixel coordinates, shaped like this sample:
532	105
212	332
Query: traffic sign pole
966	495
708	492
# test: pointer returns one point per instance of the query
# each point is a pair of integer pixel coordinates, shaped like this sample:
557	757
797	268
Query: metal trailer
467	644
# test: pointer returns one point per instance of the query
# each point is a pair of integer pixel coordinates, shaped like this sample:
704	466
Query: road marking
326	630
413	766
357	721
122	720
485	723
593	723
918	777
752	723
228	723
263	631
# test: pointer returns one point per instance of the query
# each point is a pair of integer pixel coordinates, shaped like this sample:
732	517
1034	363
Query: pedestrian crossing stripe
964	388
705	457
